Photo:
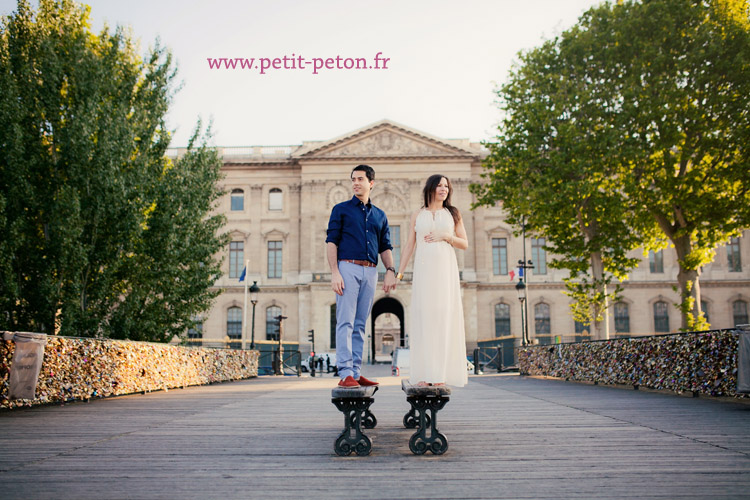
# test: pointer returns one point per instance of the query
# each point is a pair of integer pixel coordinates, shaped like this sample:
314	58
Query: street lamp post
254	289
523	266
280	360
521	289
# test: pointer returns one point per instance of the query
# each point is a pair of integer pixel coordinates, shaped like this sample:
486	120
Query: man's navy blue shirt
359	231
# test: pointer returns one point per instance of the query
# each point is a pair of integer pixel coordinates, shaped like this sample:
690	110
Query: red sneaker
366	382
348	383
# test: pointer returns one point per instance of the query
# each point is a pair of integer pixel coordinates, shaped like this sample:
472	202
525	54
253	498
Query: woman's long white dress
436	335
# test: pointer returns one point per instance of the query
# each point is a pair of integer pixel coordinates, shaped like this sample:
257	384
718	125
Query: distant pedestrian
328	363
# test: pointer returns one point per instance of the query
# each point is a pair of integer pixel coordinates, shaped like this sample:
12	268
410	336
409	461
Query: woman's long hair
429	191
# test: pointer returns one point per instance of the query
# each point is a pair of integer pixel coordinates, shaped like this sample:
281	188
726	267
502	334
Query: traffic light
311	338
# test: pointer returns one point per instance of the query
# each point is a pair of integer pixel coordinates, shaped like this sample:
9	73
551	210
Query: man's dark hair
367	169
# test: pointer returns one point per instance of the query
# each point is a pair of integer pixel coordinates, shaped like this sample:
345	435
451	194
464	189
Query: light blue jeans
352	310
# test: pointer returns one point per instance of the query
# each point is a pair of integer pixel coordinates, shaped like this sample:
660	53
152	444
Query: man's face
361	185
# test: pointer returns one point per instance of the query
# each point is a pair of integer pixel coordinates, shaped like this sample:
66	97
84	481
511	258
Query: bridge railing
84	368
698	362
291	363
488	359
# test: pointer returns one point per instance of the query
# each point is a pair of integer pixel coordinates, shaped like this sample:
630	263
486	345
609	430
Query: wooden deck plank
510	437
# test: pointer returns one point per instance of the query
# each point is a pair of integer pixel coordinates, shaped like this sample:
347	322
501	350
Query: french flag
513	273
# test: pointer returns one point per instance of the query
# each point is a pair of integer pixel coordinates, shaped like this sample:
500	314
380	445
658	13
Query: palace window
499	256
739	312
542	319
502	320
656	261
704	310
622	318
661	317
580	328
237	200
396	244
733	256
196	331
274	259
275	199
539	255
236	258
234	322
582	332
272	324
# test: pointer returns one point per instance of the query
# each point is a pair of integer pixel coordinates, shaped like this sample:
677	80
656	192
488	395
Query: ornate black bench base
355	405
425	403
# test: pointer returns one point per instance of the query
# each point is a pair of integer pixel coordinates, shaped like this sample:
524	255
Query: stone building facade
277	206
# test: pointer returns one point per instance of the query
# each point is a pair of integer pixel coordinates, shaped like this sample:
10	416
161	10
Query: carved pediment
237	234
386	143
389	203
385	200
385	139
338	194
274	234
399	187
500	230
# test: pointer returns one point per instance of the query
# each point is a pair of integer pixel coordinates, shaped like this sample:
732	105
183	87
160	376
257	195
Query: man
357	233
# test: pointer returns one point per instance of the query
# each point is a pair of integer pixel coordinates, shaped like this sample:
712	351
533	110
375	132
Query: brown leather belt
365	263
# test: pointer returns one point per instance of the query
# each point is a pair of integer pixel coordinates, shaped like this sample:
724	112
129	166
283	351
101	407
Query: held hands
389	281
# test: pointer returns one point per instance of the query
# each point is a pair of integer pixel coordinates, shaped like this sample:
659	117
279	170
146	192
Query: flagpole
244	308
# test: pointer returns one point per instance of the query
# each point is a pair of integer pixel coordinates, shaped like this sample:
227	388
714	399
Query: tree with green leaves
548	171
100	233
649	103
173	267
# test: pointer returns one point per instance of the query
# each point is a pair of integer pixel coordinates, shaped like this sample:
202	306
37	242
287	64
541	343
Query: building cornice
628	284
264	289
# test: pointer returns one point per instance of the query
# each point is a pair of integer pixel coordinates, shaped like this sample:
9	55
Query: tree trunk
589	231
601	328
688	280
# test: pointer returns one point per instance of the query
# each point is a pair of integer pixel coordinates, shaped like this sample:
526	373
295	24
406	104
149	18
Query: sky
444	61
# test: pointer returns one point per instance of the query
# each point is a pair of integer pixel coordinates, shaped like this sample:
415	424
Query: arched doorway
388	331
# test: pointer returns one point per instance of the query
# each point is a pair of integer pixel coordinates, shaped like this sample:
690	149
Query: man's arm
389	281
333	239
337	281
386	254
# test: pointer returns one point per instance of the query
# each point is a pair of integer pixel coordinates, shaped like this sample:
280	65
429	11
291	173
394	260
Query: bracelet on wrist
400	276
